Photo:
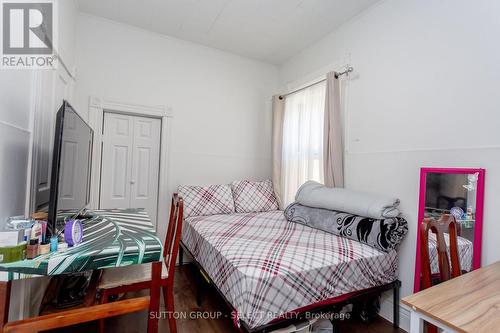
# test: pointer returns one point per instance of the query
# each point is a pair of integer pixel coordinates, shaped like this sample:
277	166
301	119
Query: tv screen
71	164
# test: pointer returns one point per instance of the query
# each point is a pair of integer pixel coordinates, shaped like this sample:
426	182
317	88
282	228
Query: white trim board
386	311
19	128
97	107
158	111
423	149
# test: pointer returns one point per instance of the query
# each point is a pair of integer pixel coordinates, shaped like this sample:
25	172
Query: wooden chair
446	224
85	313
78	316
115	281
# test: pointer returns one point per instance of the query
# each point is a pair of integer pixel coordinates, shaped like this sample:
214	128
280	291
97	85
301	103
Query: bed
267	268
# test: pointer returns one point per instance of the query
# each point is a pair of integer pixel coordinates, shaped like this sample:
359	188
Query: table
468	303
113	238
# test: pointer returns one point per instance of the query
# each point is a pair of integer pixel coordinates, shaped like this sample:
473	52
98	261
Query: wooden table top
469	303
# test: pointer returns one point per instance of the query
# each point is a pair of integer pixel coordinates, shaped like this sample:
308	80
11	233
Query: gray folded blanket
314	194
383	234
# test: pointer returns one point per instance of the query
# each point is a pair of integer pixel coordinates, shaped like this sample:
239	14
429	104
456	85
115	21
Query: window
303	126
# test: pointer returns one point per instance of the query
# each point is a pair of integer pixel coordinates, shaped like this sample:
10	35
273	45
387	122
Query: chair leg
5	288
154	294
431	328
396	305
181	255
102	322
168	298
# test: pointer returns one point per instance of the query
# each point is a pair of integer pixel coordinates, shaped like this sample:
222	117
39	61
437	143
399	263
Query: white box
11	237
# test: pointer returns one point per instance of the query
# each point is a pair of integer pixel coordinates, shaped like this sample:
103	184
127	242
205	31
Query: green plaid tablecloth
113	238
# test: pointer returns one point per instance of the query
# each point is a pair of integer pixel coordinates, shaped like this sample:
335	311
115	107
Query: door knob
132	182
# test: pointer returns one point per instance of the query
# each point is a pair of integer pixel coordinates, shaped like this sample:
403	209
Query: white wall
15	98
221	102
15	103
67	16
16	120
424	94
17	107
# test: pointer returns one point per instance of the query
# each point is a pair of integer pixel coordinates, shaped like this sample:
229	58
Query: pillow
253	197
383	234
210	200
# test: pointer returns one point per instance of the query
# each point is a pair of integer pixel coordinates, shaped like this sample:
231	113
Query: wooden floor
186	281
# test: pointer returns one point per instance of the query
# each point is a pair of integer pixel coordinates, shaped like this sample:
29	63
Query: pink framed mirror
459	192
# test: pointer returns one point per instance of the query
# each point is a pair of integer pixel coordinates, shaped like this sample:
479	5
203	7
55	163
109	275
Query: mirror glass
458	192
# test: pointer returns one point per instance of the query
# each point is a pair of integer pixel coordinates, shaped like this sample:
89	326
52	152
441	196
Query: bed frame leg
334	320
199	296
335	326
181	255
395	318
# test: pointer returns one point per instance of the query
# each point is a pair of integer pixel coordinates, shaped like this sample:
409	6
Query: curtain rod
348	70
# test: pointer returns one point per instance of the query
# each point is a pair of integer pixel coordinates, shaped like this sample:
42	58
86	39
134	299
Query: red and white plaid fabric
210	200
266	266
252	197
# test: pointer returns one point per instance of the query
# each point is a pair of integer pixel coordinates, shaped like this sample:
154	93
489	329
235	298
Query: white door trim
97	107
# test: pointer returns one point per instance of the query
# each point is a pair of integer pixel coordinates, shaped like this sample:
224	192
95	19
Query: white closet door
46	109
130	163
116	166
146	165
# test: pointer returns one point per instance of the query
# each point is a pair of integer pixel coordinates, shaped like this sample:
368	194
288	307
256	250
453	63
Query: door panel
120	174
52	87
116	161
146	165
130	163
144	155
45	147
43	142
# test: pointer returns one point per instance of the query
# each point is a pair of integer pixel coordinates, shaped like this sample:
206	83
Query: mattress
266	266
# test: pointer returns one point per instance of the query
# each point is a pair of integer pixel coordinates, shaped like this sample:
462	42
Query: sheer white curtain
302	149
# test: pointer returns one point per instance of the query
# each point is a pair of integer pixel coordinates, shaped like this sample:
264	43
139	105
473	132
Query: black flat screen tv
71	165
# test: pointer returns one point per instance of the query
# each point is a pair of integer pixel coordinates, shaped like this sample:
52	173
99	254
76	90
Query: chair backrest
173	237
446	224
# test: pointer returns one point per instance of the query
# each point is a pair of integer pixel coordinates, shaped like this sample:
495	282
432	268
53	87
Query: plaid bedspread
266	266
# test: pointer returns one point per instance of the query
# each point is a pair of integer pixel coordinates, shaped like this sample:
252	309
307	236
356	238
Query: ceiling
268	30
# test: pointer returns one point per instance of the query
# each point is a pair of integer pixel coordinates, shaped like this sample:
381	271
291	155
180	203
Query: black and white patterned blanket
382	234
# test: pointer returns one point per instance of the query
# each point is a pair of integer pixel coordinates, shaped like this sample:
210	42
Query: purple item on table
73	232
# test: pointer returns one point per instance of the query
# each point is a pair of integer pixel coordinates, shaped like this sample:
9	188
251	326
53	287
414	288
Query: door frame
97	107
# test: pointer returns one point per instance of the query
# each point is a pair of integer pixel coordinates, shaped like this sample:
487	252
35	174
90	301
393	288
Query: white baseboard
387	313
